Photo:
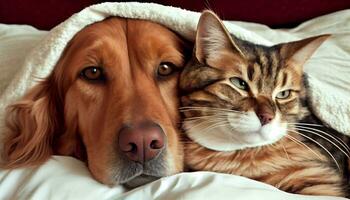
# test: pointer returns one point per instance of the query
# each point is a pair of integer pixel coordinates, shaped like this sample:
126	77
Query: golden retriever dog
110	101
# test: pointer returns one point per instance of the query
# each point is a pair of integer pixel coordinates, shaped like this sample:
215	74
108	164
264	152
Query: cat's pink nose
265	118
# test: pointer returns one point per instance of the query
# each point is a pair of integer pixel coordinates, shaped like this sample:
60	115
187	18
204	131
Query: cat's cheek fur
274	131
249	131
244	132
218	139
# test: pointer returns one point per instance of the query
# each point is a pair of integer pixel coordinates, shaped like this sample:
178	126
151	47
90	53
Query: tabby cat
245	113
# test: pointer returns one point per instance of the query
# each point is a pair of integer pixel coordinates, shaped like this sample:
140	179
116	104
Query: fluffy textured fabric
328	69
71	180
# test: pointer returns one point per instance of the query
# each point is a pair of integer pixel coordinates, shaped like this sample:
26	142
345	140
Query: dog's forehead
117	42
108	31
115	31
148	41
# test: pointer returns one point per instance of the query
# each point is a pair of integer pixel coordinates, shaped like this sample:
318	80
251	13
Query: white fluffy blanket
329	71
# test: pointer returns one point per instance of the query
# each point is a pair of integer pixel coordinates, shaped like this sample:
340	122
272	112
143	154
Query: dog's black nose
141	142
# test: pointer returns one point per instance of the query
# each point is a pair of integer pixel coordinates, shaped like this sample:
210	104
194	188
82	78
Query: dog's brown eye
165	69
92	74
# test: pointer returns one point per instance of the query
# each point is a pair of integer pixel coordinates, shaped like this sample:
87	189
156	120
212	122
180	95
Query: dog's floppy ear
70	142
31	124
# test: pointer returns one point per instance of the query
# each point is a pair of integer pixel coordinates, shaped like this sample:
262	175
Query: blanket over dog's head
328	79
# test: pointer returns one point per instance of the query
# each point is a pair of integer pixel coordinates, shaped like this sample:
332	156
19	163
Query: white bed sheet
67	178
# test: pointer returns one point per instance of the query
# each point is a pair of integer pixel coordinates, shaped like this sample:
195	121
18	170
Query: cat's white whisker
215	126
199	108
217	115
206	117
327	139
320	145
241	124
236	114
341	142
187	142
204	107
205	129
307	124
200	120
303	145
203	122
285	151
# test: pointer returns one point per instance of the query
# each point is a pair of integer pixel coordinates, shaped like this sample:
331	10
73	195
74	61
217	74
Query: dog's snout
141	143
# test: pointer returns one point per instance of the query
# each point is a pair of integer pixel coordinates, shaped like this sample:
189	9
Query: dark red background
45	14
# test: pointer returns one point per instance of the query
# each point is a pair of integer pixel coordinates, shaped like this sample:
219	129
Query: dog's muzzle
143	148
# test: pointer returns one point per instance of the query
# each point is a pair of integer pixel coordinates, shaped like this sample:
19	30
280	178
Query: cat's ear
298	52
213	40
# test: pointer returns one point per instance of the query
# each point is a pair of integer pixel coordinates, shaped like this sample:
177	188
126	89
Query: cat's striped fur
218	107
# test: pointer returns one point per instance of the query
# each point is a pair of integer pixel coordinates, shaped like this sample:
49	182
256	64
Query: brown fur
286	165
294	163
67	115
